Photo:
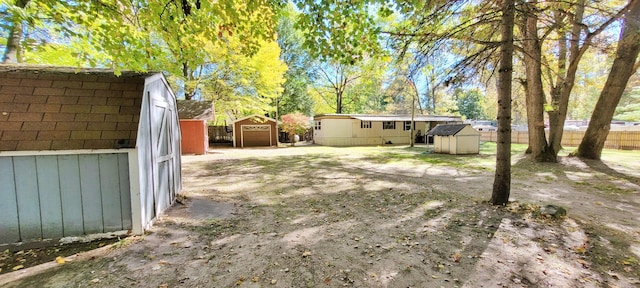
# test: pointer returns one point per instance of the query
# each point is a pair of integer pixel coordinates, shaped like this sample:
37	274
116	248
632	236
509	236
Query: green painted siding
54	196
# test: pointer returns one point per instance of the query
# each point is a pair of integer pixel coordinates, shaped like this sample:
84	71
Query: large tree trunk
538	147
13	51
561	92
621	70
502	179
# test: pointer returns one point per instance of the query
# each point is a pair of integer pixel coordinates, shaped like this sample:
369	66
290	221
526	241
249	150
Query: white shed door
162	152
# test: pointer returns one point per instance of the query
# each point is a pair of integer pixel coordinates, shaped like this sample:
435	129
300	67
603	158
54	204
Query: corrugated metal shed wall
53	196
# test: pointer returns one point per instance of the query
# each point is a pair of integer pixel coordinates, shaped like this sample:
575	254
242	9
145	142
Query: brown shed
84	151
255	131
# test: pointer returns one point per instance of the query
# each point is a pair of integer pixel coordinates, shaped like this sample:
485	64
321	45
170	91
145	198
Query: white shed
455	139
84	151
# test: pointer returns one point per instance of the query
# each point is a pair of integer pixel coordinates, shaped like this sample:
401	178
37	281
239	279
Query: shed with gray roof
455	139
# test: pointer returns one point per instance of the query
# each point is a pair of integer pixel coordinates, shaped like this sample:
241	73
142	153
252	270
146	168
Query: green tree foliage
222	46
294	124
301	71
469	103
629	107
241	85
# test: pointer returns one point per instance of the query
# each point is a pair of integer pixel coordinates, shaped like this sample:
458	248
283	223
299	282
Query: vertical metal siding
52	196
91	198
27	197
9	224
49	191
125	196
110	192
71	195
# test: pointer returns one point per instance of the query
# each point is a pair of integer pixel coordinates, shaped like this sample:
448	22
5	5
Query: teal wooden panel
125	190
71	197
49	191
91	196
110	192
27	197
8	203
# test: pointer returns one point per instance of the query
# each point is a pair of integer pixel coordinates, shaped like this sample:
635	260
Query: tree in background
241	85
469	103
294	124
334	79
301	67
629	107
624	65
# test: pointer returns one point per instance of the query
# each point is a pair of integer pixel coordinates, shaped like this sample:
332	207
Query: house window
318	125
365	124
388	125
407	125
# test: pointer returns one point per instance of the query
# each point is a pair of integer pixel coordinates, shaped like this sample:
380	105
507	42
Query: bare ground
378	217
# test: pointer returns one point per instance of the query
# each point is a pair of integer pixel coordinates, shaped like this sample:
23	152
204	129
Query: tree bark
621	70
502	179
561	92
538	146
13	51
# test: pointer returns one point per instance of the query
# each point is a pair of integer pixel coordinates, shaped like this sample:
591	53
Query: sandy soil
378	217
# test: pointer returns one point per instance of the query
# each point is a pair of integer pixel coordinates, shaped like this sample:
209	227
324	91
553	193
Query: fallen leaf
580	249
60	260
306	254
326	280
17	267
255	279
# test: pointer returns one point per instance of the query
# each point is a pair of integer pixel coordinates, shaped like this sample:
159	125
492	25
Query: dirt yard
379	217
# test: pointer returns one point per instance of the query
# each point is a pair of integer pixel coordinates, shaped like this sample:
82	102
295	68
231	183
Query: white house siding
348	132
333	132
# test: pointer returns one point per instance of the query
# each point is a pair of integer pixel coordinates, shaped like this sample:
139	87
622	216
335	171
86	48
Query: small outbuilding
255	131
193	116
455	139
84	151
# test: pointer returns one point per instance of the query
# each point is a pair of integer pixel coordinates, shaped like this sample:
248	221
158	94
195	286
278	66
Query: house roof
391	117
447	129
194	109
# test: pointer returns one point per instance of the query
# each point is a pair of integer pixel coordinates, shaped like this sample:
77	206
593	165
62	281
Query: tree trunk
338	101
621	70
538	146
502	179
13	51
561	92
413	114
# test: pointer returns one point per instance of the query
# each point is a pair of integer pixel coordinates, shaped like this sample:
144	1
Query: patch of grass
609	250
605	188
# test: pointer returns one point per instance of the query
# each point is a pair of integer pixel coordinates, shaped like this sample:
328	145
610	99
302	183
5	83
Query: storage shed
84	151
255	131
455	139
193	116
